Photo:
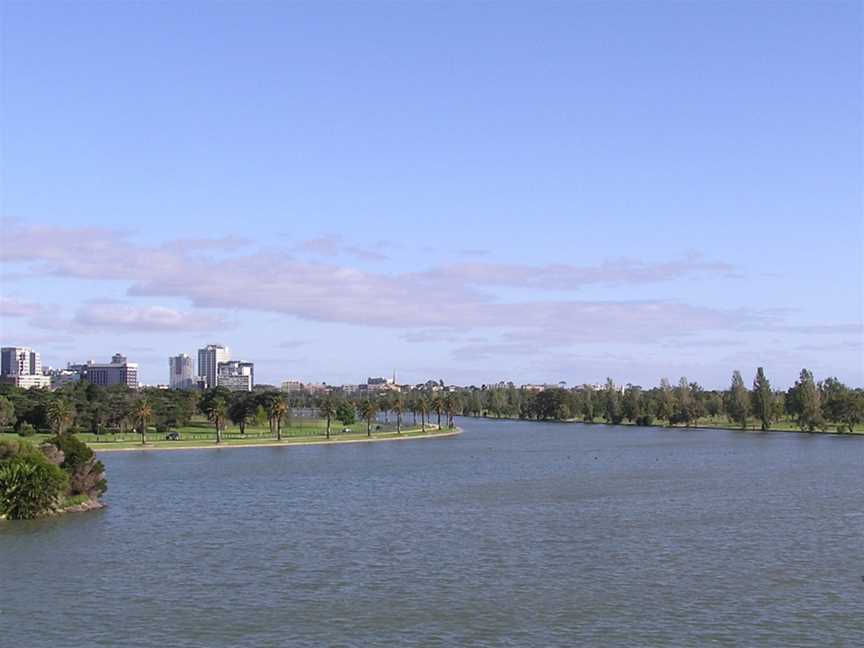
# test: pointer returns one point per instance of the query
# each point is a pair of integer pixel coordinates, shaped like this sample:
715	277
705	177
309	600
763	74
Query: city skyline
658	198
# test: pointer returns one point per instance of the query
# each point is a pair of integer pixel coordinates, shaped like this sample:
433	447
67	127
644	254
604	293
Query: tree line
811	405
83	407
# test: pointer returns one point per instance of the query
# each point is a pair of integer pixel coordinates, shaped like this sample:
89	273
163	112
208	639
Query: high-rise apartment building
236	375
22	367
181	372
209	359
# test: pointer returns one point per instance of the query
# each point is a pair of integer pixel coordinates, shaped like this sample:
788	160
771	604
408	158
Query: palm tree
438	406
216	410
451	404
368	409
278	410
142	412
61	414
397	405
383	401
327	410
423	409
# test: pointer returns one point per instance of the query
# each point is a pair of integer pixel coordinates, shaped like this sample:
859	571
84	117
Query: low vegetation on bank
59	475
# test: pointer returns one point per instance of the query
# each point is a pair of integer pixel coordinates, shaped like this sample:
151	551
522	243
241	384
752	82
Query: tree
451	406
142	412
738	400
631	406
327	410
805	402
397	404
422	409
214	405
438	406
612	411
242	408
763	399
346	414
7	413
588	404
666	402
279	410
368	409
842	405
61	415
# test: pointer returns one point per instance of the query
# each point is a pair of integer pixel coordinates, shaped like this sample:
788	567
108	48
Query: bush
645	421
30	486
26	429
86	473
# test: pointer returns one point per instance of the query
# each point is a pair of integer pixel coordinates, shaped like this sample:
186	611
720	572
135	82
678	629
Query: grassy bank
708	423
201	434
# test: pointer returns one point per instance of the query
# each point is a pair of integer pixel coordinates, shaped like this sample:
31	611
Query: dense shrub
26	429
86	473
30	485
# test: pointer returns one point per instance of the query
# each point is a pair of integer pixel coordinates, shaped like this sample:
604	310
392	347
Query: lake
511	534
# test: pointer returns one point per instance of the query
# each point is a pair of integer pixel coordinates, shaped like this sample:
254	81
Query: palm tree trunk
328	427
218	431
398	422
369	427
143	432
278	429
423	420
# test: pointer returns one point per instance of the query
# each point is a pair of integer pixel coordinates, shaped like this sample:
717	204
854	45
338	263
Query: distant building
209	359
236	375
292	386
117	372
60	377
22	367
380	384
295	386
181	373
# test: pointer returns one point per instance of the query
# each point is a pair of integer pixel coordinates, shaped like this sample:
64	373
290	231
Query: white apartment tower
208	363
21	366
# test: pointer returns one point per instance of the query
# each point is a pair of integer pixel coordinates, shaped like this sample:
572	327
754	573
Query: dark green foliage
30	485
763	399
346	413
738	400
804	402
841	405
86	473
7	413
25	429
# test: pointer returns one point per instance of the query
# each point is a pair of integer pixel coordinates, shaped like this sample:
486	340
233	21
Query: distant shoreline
279	444
661	426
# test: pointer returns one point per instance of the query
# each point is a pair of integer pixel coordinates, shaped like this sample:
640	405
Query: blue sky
472	192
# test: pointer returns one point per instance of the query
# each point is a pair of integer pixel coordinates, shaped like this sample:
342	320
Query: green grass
201	433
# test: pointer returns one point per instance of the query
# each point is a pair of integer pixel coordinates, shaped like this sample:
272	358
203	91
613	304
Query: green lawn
202	433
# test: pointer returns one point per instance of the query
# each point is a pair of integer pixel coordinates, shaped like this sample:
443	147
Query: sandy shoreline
277	444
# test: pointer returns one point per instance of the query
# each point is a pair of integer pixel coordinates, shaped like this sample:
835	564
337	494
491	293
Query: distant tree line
812	406
83	407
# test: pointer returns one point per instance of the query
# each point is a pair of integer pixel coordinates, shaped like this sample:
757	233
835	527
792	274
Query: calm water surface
513	534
